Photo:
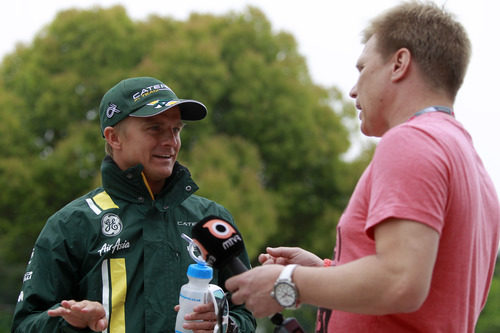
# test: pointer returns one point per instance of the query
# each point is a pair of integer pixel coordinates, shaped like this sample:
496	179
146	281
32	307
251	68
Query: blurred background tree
272	149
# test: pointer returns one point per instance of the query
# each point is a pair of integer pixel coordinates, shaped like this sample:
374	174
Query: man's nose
354	91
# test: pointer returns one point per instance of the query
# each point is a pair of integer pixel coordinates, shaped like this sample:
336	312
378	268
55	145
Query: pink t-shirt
426	170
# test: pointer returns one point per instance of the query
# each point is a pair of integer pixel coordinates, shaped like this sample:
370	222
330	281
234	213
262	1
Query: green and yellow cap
144	97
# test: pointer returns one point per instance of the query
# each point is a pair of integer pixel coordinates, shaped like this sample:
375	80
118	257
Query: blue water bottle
193	293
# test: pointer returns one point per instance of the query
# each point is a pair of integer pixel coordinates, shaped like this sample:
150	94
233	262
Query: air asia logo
111	225
119	245
149	90
223	230
112	110
160	104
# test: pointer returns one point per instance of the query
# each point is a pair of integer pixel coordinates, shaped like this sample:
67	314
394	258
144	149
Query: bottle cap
200	270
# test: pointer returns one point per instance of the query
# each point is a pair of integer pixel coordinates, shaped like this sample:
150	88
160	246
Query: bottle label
190	298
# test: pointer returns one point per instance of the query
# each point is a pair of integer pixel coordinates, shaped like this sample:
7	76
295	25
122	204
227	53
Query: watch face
285	294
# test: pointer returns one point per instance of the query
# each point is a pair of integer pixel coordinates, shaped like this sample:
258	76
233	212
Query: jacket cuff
67	328
232	326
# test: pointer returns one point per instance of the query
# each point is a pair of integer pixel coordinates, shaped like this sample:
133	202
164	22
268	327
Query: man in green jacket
113	260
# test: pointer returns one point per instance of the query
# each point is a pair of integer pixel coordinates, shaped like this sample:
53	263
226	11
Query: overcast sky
327	32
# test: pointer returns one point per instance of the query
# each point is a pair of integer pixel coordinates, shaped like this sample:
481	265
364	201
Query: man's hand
205	318
289	255
82	314
253	288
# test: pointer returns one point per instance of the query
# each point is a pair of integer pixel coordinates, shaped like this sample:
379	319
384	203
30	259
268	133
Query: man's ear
112	137
401	61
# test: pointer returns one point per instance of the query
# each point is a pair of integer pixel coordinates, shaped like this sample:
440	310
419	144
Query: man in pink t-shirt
426	170
417	243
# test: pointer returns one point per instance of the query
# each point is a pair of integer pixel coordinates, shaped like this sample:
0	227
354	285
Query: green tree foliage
229	170
489	321
271	148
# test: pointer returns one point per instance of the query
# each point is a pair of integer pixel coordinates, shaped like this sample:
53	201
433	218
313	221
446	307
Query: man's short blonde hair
437	42
119	127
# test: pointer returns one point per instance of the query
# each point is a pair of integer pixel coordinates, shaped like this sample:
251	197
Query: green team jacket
118	246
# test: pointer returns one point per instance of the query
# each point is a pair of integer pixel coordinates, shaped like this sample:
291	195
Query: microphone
221	244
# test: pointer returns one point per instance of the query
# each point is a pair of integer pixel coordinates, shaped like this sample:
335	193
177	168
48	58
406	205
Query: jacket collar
129	185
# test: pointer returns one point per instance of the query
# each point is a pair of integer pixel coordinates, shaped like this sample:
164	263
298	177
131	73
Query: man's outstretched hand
82	314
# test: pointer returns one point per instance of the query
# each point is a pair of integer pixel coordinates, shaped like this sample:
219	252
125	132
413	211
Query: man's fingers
200	326
206	316
209	307
237	298
263	257
82	314
80	307
68	304
266	259
232	283
60	311
200	322
275	251
283	252
100	325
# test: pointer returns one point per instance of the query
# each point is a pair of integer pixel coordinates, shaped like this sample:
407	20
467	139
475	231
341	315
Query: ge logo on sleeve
111	225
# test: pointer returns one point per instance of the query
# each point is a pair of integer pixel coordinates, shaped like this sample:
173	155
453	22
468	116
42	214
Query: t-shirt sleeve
409	179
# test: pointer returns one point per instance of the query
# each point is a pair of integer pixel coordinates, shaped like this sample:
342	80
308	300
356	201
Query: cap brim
190	109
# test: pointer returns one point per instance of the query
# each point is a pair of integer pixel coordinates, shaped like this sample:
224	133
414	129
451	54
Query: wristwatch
285	292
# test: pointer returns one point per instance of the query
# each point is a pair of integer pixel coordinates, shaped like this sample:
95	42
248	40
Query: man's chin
157	175
363	129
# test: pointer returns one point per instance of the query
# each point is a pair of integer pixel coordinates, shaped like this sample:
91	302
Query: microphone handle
277	319
236	266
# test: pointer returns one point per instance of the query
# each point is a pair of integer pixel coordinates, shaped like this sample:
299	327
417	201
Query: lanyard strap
435	108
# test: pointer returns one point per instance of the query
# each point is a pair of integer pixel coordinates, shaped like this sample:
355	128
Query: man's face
371	90
153	142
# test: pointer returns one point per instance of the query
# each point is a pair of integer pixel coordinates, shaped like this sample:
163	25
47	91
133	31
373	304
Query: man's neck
407	105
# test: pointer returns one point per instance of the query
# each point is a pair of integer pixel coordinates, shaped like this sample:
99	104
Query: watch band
286	273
